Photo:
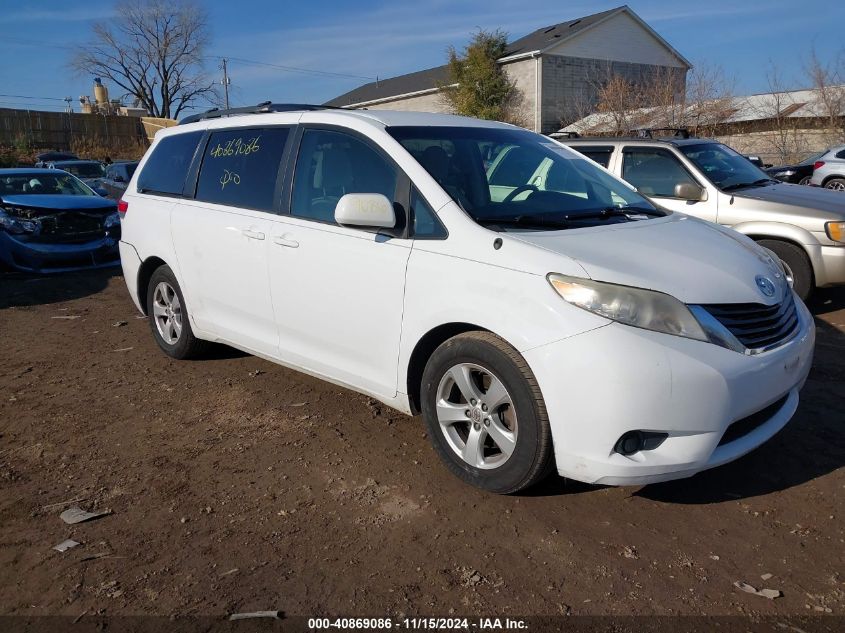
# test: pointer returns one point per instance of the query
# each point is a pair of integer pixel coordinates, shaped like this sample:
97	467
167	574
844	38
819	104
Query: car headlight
112	220
787	172
637	307
17	226
835	231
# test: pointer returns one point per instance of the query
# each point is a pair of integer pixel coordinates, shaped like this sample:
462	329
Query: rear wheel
169	320
485	413
837	184
796	263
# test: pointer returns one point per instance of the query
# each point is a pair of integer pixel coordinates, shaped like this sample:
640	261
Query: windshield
43	183
83	170
724	167
502	177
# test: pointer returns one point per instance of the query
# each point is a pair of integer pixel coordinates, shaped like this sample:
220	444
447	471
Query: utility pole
226	82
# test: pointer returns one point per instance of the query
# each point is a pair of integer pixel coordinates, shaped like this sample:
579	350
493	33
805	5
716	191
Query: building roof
794	104
412	83
534	43
547	36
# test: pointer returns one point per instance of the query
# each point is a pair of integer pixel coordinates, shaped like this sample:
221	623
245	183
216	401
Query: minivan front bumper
604	383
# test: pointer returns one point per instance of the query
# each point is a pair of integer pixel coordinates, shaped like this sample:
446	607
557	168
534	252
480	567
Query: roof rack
677	132
261	108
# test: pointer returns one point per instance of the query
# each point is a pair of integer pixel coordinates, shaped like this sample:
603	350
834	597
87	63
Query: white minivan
569	325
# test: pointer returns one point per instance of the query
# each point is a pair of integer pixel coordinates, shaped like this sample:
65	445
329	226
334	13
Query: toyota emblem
766	285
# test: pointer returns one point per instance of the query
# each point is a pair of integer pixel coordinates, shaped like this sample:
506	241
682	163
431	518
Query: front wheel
485	413
804	181
796	263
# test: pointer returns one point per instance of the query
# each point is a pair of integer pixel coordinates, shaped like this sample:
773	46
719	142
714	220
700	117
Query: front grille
743	427
71	227
755	325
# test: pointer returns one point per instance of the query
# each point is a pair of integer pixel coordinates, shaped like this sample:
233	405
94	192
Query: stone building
556	70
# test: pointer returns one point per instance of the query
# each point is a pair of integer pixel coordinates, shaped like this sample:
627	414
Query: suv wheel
796	263
837	184
168	316
485	413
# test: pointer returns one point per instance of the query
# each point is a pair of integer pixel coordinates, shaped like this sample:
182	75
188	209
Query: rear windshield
83	170
167	167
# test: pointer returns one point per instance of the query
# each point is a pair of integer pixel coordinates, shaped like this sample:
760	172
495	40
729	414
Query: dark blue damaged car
50	221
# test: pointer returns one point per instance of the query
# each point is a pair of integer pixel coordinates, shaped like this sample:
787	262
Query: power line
31	97
295	69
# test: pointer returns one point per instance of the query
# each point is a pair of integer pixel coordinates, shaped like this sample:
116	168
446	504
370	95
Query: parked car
799	173
53	155
91	172
568	323
756	161
51	221
829	170
117	177
805	227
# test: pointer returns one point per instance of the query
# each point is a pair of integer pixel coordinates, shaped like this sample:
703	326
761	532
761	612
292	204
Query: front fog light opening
636	441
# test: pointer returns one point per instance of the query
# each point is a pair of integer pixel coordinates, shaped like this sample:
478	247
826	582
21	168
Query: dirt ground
237	485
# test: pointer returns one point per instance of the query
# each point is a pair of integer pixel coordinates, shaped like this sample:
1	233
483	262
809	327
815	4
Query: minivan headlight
638	307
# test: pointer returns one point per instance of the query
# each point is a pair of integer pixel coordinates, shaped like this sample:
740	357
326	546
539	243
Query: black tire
186	345
805	180
796	260
837	184
532	456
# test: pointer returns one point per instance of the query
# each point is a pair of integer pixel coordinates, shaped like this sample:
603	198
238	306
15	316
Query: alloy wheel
476	415
167	312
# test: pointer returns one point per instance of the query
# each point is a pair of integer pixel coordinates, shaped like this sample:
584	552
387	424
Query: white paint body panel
351	306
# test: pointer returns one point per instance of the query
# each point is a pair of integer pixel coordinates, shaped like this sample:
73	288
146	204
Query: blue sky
370	38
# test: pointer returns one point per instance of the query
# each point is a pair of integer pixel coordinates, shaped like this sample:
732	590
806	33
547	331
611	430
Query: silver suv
829	170
804	226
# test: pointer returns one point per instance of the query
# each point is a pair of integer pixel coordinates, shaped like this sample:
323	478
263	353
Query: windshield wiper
743	185
607	212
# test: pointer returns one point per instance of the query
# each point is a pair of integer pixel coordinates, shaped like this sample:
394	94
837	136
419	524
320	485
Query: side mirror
101	192
365	209
690	191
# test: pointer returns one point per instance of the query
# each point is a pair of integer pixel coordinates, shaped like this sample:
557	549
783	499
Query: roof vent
550	29
571	24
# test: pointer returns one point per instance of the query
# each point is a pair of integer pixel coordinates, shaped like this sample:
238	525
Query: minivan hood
693	260
810	202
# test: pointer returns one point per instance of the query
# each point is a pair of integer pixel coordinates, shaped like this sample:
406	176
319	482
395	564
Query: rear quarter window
167	167
599	154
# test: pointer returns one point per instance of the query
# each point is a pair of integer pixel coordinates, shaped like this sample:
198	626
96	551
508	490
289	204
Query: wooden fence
58	130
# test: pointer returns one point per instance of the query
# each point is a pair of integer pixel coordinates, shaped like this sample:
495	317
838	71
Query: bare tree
775	106
828	84
709	98
153	49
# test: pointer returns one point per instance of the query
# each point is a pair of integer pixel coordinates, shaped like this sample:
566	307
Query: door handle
252	234
281	240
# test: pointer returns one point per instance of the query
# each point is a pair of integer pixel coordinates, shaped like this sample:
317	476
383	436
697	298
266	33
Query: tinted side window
599	154
240	167
168	165
654	171
841	154
331	164
425	222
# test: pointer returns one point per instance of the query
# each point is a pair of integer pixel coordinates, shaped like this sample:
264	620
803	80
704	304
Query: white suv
567	325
